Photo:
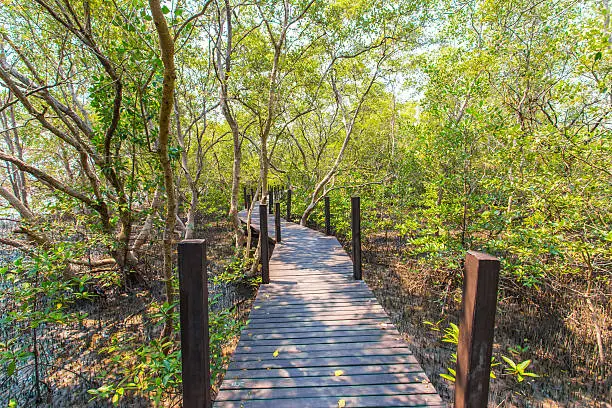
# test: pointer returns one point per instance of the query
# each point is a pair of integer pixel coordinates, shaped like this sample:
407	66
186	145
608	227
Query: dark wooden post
289	204
246	198
277	221
263	234
356	232
193	288
476	324
327	217
271	200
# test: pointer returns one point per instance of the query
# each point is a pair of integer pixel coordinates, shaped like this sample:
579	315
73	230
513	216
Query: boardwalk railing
481	276
195	343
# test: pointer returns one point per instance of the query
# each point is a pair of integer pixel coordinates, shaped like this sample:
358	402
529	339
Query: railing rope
476	324
195	349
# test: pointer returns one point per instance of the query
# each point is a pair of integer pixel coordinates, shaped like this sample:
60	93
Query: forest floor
75	358
550	331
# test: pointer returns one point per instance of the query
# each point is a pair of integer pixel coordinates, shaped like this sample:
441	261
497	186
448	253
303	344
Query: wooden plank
348	322
428	400
315	297
337	311
310	265
316	287
331	303
346	352
338	391
323	334
327	381
326	303
298	308
322	362
241	349
319	340
326	329
293	372
321	318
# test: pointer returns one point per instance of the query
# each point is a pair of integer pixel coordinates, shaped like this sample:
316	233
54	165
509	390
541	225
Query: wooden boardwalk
318	338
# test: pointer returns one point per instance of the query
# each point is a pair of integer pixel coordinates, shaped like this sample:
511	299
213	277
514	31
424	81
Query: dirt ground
561	344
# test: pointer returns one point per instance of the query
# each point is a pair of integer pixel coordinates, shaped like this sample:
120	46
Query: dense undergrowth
69	341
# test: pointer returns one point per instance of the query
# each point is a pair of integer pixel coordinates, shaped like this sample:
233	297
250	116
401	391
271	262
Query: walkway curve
318	338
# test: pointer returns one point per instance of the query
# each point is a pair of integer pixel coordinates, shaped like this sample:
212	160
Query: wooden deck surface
318	338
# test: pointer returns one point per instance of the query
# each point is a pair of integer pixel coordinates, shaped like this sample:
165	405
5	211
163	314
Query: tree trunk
166	44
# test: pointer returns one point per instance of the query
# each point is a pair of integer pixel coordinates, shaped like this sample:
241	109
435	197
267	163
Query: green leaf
522	366
510	362
10	370
165	10
598	56
448	377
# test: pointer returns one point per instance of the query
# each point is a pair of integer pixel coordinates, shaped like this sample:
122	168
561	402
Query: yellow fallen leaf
338	373
341	403
257	307
275	354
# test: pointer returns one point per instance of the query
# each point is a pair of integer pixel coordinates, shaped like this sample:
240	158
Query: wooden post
263	236
195	352
327	217
480	279
277	221
356	232
246	198
289	204
271	200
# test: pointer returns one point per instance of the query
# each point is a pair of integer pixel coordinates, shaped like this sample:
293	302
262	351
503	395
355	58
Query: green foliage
152	369
451	335
518	370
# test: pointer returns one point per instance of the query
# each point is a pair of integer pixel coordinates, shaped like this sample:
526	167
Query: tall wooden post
327	217
289	204
271	200
277	221
356	232
263	236
195	352
476	324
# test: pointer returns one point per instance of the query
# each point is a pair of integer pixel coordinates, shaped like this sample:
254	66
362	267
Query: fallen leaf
275	354
257	307
338	373
341	403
